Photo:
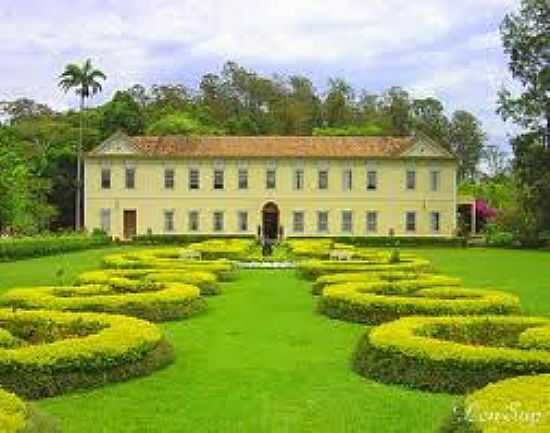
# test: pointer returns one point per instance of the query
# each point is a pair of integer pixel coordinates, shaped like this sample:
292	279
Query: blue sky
445	48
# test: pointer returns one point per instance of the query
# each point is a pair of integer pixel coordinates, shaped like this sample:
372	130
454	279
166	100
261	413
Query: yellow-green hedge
13	413
233	249
450	354
61	351
380	302
207	282
518	405
367	277
319	248
313	269
150	301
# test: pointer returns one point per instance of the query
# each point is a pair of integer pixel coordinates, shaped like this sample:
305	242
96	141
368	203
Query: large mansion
271	186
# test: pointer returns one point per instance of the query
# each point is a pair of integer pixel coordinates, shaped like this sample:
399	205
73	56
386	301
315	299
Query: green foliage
181	124
351	130
123	113
467	141
500	239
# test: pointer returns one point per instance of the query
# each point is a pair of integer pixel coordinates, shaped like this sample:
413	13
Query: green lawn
261	359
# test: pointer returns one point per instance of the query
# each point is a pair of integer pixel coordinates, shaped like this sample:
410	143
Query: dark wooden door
270	221
130	224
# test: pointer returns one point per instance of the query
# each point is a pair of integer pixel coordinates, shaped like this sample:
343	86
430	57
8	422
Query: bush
500	239
61	352
181	240
18	417
207	282
310	248
232	249
450	354
404	241
379	302
152	301
517	405
312	269
22	248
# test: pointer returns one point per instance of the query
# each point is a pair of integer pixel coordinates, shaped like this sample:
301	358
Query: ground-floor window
105	220
242	217
410	221
298	222
322	221
435	221
218	221
169	224
193	221
347	221
372	222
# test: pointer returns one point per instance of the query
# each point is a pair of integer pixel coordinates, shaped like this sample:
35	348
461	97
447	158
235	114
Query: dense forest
39	146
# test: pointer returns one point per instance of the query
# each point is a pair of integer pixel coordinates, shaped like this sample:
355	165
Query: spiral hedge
374	303
54	352
156	302
13	413
517	405
453	354
207	282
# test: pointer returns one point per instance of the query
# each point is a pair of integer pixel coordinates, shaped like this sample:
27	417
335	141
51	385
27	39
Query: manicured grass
262	360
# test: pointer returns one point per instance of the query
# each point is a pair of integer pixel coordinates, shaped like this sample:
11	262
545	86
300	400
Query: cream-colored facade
412	194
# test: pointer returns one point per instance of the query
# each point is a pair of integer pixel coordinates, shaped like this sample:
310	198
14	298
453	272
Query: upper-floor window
372	180
434	180
323	179
270	178
347	221
410	221
169	224
106	178
411	179
435	222
298	222
322	221
169	178
194	178
218	221
105	220
298	181
130	178
242	218
347	179
218	178
372	222
243	178
193	221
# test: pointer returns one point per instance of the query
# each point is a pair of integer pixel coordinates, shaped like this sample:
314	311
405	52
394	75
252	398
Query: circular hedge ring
156	302
518	405
378	302
60	352
207	282
451	354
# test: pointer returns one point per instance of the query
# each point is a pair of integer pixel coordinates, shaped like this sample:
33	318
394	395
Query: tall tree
467	140
123	113
429	117
85	81
397	107
338	106
526	40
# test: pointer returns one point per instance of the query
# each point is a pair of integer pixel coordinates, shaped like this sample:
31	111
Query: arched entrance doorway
270	221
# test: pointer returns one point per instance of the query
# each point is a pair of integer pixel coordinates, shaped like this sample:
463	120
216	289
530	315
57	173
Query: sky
449	49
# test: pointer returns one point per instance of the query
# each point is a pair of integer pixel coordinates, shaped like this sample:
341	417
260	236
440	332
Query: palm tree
85	81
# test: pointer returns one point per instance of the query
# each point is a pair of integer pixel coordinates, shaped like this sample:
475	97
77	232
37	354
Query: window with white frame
243	178
322	181
372	221
347	179
194	178
218	221
298	182
435	221
193	221
298	222
271	178
410	221
105	220
106	178
411	180
347	221
218	178
434	180
169	223
372	180
130	178
169	178
242	218
322	221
